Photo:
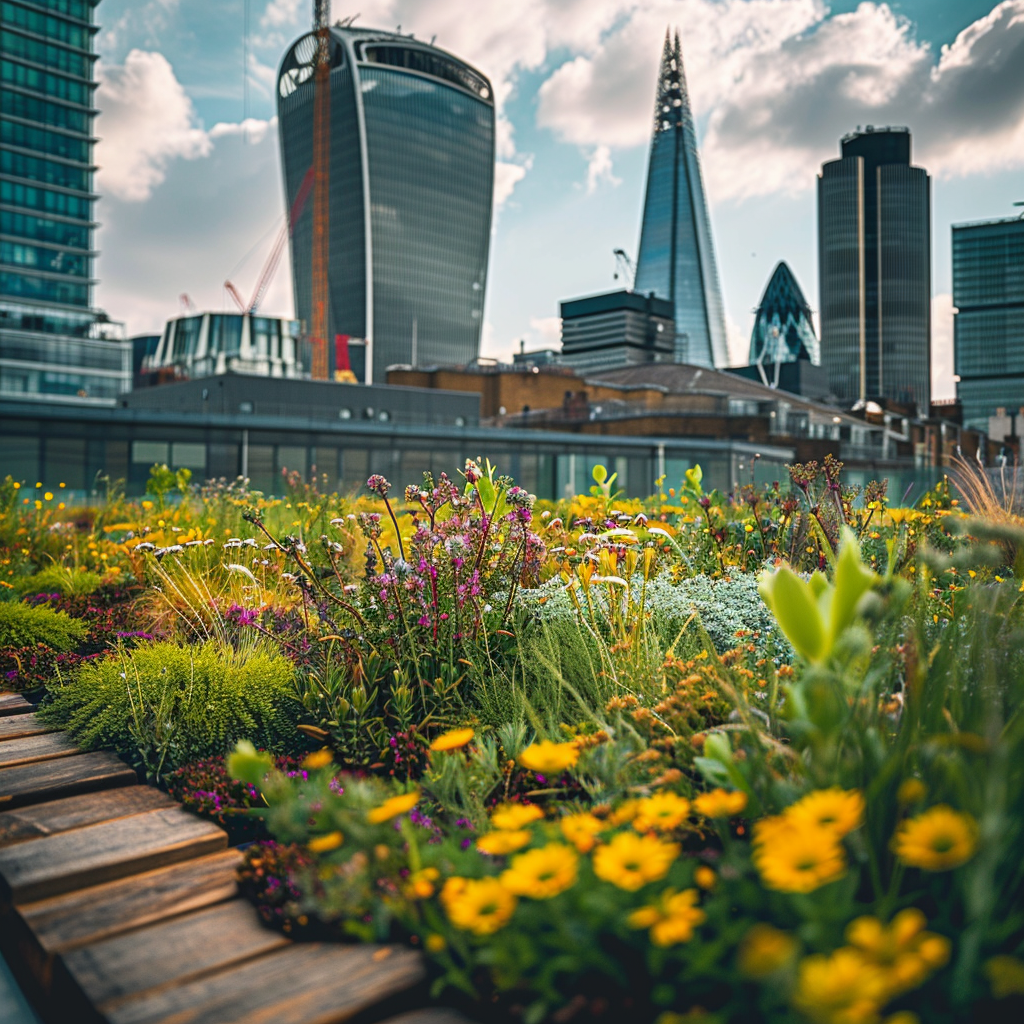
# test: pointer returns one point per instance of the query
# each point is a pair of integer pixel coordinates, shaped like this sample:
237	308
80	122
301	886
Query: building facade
783	325
601	332
874	267
53	345
411	187
676	259
988	331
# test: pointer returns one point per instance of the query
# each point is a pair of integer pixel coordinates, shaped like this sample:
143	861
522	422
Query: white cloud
600	169
943	385
546	331
147	122
506	177
280	13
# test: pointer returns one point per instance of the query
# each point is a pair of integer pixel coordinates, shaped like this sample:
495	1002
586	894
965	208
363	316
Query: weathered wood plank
305	983
100	853
36	748
13	704
66	922
76	811
47	780
15	726
173	951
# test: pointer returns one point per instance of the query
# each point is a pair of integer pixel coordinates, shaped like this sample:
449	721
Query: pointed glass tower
677	256
783	329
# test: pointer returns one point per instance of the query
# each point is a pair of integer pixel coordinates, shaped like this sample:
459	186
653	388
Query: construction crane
321	185
624	267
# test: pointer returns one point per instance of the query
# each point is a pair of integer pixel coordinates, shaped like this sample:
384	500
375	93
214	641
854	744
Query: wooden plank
47	780
304	983
173	951
75	811
14	704
63	923
100	853
36	748
15	726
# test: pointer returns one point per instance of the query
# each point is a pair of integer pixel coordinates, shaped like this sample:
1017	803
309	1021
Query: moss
23	625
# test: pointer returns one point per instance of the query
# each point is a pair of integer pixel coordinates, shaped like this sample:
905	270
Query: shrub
61	579
164	705
24	626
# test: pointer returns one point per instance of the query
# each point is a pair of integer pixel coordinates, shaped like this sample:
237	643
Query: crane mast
321	186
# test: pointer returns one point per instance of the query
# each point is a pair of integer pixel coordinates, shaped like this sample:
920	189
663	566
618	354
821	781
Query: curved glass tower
677	255
411	187
783	328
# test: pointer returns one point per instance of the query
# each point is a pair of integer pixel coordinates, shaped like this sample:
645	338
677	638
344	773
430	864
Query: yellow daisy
630	861
499	843
582	830
452	740
661	812
937	840
549	758
720	803
393	808
792	857
672	919
541	874
838	810
479	905
844	986
514	816
764	950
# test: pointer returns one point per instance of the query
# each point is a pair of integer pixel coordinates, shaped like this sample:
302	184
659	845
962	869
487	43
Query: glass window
53	261
44	289
192	456
47	171
43	53
40	229
15	193
34	108
65	462
44	25
57	86
39	319
292	459
150	452
54	143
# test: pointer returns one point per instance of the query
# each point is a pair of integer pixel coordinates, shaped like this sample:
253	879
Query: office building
53	345
411	186
988	333
676	260
783	326
874	264
602	332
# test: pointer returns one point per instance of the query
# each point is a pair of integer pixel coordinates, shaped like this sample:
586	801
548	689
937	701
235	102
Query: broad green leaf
792	602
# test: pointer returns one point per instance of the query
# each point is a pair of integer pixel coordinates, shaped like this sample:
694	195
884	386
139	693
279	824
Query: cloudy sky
192	192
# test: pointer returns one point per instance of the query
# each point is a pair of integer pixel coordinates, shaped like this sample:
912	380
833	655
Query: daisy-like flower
541	874
937	840
515	816
630	861
793	857
838	810
478	905
671	919
582	830
661	812
499	843
908	953
720	803
844	986
764	950
393	808
549	758
420	885
452	740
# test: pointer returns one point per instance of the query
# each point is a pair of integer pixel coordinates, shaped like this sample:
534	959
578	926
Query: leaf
599	473
792	601
853	579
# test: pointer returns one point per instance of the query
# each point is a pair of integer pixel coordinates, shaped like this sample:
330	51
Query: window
192	456
149	452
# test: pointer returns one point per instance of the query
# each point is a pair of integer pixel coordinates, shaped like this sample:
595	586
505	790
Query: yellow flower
48	495
908	953
549	758
502	842
837	810
794	857
393	808
541	874
899	515
324	844
582	830
320	759
435	943
705	877
1006	976
420	884
630	861
720	803
937	840
625	812
514	816
672	919
661	812
843	988
452	740
479	905
911	791
764	950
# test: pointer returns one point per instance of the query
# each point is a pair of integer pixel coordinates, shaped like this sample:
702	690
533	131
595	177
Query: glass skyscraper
874	265
783	327
677	256
53	345
411	191
988	339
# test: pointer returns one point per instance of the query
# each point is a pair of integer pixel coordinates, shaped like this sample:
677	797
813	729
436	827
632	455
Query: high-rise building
411	187
783	327
677	255
605	332
874	264
53	345
988	338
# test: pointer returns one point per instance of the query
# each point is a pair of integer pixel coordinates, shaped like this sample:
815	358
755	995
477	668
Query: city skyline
576	178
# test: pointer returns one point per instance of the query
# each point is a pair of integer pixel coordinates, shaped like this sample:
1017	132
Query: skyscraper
783	328
988	338
411	186
874	263
53	345
677	255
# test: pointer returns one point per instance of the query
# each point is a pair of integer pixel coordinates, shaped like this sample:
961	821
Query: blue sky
193	196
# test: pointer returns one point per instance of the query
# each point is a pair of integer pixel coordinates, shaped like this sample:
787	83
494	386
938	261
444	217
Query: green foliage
60	579
23	625
163	480
163	705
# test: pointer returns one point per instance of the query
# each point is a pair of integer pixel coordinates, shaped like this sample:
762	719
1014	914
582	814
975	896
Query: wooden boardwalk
118	906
